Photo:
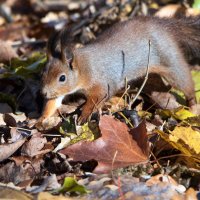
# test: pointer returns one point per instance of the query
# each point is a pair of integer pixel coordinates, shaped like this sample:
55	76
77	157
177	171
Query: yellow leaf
182	113
187	138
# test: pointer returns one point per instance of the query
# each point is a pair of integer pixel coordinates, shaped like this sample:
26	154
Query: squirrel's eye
62	78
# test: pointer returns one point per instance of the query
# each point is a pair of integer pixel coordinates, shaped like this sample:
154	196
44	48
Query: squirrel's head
60	75
58	79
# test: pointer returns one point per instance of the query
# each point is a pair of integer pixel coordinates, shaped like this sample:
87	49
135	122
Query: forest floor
146	148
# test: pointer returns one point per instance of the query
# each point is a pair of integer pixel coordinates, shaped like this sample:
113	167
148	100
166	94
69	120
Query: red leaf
116	148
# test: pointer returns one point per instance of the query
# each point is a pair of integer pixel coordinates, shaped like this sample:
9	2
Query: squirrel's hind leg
179	76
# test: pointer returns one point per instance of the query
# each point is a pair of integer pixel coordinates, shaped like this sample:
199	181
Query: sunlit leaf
186	140
25	68
180	113
71	185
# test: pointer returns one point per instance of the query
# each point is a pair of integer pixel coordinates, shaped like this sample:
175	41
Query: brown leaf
49	182
10	193
139	134
6	52
116	148
48	123
19	174
9	120
6	150
34	146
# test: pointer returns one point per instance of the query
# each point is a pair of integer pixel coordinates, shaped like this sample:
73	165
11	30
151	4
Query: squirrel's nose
44	93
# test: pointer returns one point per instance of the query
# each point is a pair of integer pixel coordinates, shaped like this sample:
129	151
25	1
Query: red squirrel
100	68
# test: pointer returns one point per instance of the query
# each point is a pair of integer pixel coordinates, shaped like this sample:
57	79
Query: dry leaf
6	150
49	183
6	52
10	193
48	196
187	138
34	146
115	148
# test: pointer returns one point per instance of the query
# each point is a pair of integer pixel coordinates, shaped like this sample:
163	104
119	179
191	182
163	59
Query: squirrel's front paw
39	123
83	118
47	123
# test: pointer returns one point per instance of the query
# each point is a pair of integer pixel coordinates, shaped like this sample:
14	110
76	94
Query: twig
155	159
113	160
125	92
172	156
127	120
120	189
28	42
145	78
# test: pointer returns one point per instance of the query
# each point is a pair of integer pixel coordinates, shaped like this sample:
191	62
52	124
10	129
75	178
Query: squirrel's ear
67	56
52	44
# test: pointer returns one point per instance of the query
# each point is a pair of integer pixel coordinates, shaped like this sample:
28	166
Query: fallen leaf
10	193
48	196
29	169
18	133
98	184
168	10
71	185
9	120
194	121
139	134
49	183
115	148
180	113
19	117
48	123
6	150
161	178
6	52
34	146
74	134
2	122
187	138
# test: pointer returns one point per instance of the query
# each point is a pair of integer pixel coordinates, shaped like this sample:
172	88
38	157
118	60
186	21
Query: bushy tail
187	33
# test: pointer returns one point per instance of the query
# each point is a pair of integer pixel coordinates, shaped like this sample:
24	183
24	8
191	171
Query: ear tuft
52	44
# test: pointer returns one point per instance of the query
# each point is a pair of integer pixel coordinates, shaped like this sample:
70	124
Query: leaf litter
159	158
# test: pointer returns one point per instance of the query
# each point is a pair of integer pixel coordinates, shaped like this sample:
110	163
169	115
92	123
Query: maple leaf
115	148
